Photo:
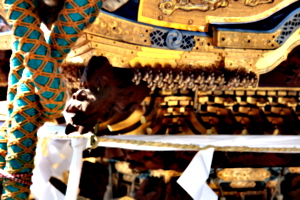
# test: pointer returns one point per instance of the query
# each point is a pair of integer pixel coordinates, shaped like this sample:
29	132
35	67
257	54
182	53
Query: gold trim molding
168	7
236	12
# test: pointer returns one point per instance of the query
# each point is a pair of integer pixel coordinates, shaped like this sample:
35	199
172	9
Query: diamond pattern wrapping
36	89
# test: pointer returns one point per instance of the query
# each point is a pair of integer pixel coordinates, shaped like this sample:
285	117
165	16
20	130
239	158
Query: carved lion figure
105	89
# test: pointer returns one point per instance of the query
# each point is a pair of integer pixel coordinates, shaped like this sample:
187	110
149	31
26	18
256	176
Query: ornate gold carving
235	12
168	7
120	30
246	40
242	184
121	54
243	174
294	170
257	2
119	51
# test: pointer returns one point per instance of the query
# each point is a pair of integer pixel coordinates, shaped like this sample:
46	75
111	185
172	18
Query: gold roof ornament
159	44
179	36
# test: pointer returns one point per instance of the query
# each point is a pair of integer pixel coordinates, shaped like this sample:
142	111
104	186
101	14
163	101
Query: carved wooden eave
260	111
128	43
162	50
165	42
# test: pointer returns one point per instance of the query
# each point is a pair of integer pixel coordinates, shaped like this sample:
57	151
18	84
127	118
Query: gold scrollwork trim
243	174
251	18
257	2
168	7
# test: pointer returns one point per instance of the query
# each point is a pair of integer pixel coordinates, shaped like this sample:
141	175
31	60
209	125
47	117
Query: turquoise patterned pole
36	88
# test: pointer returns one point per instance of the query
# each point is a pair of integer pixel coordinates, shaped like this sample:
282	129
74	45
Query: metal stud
145	78
170	78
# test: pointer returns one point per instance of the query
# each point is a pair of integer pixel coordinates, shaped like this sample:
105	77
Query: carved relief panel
195	15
